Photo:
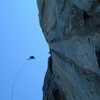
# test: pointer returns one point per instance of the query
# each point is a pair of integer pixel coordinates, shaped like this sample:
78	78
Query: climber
17	74
31	57
49	51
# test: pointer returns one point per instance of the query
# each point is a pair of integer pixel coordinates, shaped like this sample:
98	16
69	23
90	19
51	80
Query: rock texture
72	30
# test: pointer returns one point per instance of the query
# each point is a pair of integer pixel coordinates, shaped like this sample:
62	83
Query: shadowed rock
72	30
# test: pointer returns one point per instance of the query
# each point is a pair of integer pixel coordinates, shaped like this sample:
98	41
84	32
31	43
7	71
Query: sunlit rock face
72	30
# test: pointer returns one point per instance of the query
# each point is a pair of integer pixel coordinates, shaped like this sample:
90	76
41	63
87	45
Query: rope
19	71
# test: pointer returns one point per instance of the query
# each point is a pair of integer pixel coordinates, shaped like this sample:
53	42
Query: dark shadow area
57	95
98	57
50	64
85	16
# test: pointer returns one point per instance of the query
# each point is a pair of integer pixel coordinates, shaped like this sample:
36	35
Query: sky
21	37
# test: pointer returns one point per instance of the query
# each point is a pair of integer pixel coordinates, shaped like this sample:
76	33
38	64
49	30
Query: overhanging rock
72	30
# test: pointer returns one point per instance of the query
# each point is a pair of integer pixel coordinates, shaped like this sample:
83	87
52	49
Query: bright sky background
21	37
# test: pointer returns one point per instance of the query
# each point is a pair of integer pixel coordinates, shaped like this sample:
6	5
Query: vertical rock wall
72	30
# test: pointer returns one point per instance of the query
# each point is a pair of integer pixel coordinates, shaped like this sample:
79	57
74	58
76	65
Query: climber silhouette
17	74
49	51
31	57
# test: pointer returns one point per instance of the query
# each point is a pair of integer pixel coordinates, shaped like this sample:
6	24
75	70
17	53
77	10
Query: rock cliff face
72	30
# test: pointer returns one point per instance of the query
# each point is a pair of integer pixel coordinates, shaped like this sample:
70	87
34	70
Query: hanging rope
19	71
